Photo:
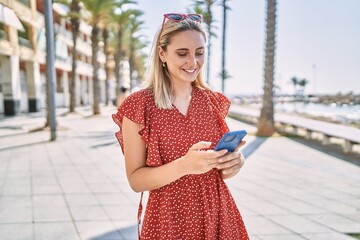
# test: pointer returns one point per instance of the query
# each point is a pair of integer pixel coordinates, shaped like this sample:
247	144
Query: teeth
190	71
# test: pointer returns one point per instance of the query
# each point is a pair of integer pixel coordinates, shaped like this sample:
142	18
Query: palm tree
205	9
134	26
115	23
122	21
98	13
139	57
75	26
105	36
74	16
294	81
224	74
302	83
265	125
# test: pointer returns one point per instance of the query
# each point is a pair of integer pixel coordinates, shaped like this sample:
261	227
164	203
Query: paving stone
89	213
259	225
98	230
46	189
55	231
15	214
11	231
51	214
337	222
299	224
81	199
282	237
113	199
127	229
54	200
328	236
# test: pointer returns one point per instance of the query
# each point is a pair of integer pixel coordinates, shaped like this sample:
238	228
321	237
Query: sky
318	40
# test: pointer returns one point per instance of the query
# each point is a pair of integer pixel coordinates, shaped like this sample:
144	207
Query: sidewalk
76	187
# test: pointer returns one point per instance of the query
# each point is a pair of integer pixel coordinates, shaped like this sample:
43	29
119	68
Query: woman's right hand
199	160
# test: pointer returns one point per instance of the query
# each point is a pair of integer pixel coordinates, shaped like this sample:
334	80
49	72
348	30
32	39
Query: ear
161	53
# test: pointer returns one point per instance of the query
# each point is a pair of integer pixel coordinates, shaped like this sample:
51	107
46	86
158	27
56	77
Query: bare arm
143	178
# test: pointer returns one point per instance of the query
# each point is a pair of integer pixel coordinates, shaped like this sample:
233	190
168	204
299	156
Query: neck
182	90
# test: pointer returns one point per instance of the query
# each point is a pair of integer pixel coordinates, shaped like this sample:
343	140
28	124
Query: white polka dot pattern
194	206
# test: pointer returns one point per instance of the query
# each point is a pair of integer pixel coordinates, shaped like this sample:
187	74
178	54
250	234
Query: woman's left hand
231	163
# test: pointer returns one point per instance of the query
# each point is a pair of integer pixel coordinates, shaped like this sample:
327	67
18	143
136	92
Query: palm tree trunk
223	71
73	77
75	22
96	86
208	56
132	65
107	70
265	125
118	58
208	63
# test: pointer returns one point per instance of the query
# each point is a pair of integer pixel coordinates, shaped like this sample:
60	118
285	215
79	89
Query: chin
190	80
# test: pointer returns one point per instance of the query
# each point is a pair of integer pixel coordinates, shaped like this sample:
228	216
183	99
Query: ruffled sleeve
220	102
220	105
139	107
135	108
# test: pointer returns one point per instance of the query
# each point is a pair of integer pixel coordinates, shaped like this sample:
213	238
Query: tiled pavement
76	187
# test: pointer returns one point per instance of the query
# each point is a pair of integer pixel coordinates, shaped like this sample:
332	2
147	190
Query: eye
199	53
182	54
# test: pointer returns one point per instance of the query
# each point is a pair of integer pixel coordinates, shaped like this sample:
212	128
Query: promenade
76	187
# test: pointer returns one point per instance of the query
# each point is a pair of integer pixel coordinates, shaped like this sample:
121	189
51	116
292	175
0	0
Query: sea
341	113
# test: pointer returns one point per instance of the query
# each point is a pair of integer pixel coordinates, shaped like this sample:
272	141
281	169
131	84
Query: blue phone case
230	140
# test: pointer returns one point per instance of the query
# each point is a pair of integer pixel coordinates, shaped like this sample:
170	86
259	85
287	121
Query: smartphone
230	140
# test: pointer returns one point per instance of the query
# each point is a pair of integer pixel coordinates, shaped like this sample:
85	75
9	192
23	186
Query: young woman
167	133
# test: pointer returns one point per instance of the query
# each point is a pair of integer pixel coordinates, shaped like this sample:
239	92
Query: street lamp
314	78
50	67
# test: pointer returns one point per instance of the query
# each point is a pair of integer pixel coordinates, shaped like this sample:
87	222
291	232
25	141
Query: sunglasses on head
178	17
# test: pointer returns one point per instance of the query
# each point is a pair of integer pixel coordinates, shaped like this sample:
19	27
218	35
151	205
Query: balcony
3	35
25	42
25	2
60	30
24	11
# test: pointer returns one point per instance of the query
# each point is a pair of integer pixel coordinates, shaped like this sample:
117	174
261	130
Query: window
3	34
59	84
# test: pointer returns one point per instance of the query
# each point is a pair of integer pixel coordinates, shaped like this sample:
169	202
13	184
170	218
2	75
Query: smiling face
184	56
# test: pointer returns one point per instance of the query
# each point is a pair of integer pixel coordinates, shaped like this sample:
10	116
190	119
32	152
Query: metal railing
3	35
25	42
26	2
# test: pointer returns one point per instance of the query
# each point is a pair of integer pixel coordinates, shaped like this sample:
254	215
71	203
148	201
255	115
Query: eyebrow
186	49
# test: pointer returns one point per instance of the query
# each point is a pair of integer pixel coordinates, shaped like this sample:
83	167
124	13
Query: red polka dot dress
194	206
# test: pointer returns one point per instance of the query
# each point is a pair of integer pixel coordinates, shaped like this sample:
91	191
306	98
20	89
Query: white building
23	58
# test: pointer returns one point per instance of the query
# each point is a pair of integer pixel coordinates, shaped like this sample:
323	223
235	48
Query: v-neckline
189	107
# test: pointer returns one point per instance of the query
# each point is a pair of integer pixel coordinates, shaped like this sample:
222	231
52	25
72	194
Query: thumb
242	143
200	145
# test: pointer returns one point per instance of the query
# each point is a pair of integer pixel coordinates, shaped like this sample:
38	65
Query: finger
200	145
233	169
217	154
242	159
212	162
229	157
242	143
229	164
242	162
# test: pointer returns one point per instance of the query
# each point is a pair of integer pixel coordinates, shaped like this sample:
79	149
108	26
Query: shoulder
214	95
139	97
218	101
140	94
137	102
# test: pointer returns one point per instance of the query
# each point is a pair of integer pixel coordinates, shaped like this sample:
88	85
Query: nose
192	61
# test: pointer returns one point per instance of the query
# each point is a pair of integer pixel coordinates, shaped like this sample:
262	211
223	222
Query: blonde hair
158	79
